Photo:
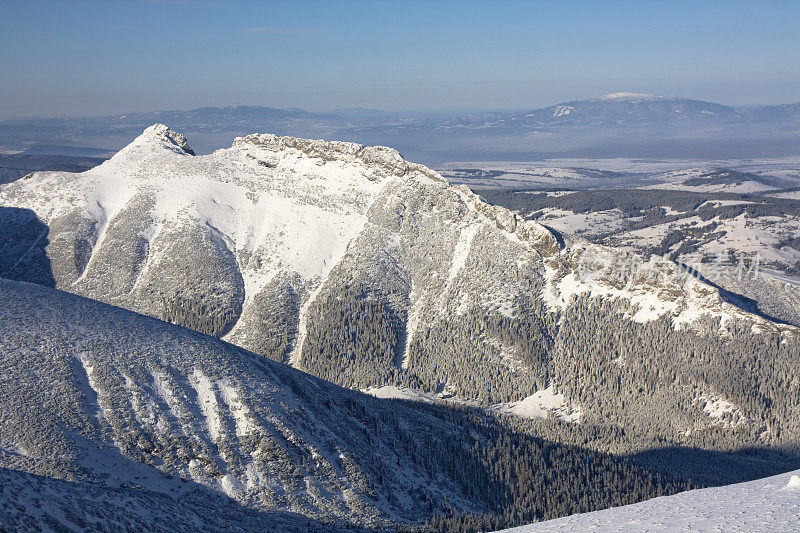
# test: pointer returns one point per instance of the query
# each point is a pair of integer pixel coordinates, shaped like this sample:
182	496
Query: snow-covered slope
114	421
31	503
96	394
93	393
737	241
630	97
766	505
265	206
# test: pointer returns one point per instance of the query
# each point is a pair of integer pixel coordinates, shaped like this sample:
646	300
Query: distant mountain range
614	125
626	108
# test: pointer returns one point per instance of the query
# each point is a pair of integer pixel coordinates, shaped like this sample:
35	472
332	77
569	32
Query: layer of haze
91	58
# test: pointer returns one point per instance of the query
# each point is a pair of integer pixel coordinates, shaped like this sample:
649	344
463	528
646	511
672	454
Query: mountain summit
161	133
629	96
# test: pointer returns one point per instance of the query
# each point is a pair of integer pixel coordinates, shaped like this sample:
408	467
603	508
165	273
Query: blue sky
88	58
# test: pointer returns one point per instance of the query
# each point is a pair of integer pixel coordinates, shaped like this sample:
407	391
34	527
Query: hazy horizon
94	58
414	112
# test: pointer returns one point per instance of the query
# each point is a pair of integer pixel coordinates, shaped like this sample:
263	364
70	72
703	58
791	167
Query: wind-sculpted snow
106	413
32	503
99	394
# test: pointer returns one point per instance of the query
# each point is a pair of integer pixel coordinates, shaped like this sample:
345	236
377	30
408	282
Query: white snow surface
542	404
634	97
649	288
582	223
747	186
745	235
792	195
295	205
562	111
463	246
769	504
722	411
648	173
400	393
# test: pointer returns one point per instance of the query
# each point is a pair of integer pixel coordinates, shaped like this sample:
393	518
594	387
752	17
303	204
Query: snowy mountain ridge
354	265
373	273
166	135
261	197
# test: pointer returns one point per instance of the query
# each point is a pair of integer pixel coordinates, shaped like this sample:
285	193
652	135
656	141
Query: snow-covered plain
597	222
771	505
615	172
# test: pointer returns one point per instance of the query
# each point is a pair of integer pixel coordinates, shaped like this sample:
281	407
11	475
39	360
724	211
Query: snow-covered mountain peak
145	156
273	206
161	135
269	205
629	96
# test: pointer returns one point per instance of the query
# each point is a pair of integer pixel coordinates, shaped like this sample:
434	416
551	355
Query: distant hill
614	125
